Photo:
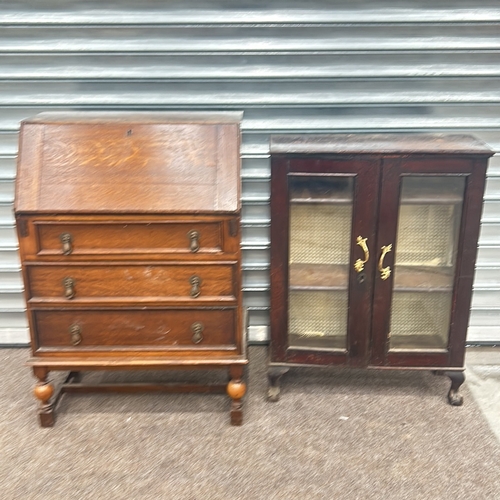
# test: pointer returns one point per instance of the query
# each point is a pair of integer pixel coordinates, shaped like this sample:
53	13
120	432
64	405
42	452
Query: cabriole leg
43	392
457	379
236	389
274	374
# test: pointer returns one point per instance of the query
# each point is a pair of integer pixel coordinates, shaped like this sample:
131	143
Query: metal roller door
331	66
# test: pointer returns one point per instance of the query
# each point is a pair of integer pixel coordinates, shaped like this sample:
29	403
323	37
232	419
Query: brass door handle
66	240
197	329
359	265
194	240
195	286
69	287
385	272
75	332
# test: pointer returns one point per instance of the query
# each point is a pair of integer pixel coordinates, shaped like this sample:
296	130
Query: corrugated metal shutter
351	66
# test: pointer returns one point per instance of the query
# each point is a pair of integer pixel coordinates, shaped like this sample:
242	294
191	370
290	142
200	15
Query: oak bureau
129	233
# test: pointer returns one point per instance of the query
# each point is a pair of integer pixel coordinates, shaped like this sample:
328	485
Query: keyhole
361	277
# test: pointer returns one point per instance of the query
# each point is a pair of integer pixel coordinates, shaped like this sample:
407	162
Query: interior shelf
416	342
420	278
311	197
335	277
318	276
337	342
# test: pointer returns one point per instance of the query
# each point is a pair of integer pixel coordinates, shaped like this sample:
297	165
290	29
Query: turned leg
457	379
43	392
274	374
236	389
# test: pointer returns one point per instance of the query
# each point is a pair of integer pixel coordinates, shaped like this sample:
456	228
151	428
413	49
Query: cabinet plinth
129	235
373	246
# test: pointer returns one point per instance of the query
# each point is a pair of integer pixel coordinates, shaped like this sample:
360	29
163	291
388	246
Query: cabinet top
129	163
381	144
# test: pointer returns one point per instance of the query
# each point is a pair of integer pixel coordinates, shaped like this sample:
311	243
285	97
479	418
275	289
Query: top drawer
110	239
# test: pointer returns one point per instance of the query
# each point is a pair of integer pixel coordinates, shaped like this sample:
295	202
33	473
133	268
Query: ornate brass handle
195	286
69	287
75	332
385	272
197	329
359	265
194	243
66	240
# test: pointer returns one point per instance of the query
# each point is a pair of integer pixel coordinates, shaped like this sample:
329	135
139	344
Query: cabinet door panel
420	247
321	210
322	226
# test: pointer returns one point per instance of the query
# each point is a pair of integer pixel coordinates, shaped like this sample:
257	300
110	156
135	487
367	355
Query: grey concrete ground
483	380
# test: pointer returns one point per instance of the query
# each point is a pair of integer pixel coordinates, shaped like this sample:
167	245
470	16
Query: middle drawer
186	281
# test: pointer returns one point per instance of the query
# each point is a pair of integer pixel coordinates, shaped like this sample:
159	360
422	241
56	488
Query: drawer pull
66	240
69	287
195	286
75	332
197	329
194	243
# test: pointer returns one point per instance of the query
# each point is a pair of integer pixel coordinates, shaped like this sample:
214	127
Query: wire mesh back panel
420	320
320	234
426	235
318	313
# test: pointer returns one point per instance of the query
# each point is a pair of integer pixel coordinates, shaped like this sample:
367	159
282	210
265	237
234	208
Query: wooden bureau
129	234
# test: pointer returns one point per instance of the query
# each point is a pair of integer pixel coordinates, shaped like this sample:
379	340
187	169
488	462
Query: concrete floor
483	379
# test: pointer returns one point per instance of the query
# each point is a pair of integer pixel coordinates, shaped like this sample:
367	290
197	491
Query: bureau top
98	117
129	163
379	144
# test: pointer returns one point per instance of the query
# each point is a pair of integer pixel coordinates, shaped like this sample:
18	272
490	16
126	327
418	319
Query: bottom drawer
113	328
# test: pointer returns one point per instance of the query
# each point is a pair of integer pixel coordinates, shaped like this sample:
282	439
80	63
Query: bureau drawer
129	238
182	328
73	282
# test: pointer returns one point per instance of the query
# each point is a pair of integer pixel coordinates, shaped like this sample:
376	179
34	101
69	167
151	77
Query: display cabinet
129	234
373	245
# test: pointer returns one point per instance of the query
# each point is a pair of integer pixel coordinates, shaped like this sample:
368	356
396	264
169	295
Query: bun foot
236	389
43	392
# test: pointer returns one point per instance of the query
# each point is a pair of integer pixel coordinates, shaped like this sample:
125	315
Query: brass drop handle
359	265
75	332
66	241
195	286
69	287
194	240
385	272
197	329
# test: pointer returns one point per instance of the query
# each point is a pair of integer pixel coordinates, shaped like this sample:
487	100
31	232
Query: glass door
321	209
425	257
323	223
417	308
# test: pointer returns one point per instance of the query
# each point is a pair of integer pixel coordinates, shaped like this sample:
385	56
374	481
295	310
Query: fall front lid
158	162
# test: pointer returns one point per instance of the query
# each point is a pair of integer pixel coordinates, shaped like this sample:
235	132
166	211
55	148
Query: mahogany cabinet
373	245
129	233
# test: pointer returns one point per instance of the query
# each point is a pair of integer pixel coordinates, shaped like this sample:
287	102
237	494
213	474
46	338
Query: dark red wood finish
393	171
379	162
365	174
